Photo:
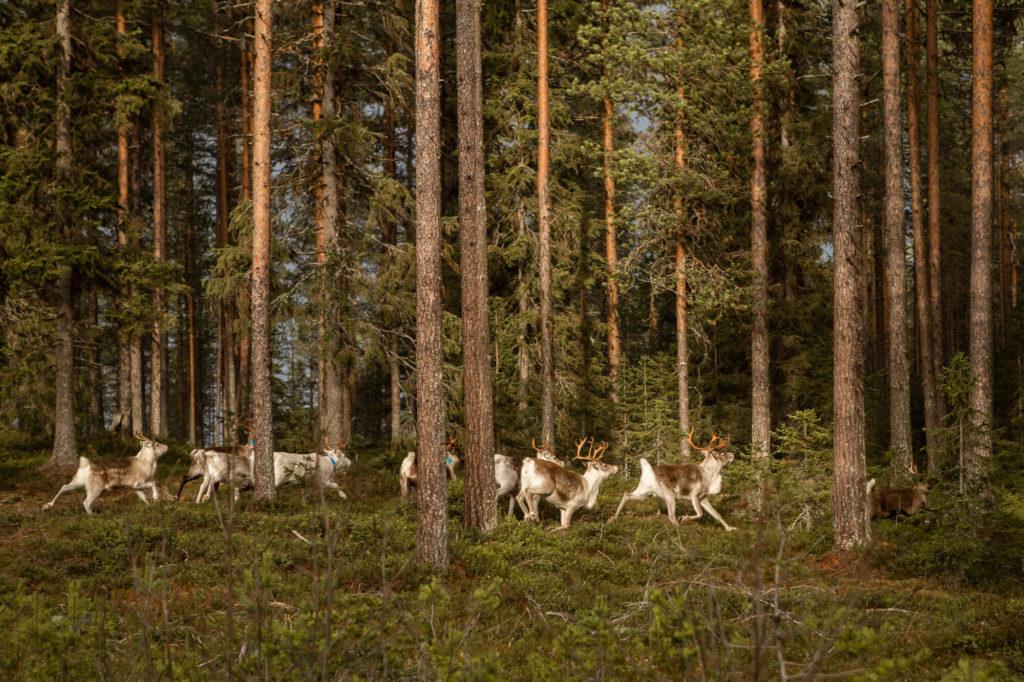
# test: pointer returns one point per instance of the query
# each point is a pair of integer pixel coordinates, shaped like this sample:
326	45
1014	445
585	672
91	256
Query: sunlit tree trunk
432	495
895	247
547	334
760	393
65	447
849	513
682	341
981	322
158	355
261	359
611	248
121	421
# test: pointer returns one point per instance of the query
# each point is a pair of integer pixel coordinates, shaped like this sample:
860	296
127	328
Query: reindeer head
593	459
713	449
336	454
148	443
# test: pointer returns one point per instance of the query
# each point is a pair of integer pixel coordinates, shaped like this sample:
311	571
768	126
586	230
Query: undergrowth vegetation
308	588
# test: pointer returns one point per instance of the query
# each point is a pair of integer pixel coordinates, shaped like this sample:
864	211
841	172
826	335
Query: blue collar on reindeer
334	462
448	459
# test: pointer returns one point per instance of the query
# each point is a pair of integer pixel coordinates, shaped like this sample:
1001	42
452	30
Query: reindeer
696	482
218	464
889	503
319	466
407	475
565	489
131	472
507	470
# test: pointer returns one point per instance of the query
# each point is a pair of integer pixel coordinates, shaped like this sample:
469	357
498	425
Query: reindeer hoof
47	506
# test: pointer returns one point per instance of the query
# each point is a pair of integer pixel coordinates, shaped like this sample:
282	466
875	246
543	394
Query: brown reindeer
690	481
565	489
889	503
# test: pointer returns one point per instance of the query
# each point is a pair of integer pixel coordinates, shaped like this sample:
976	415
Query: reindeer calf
889	503
565	489
408	477
507	470
217	465
132	472
695	482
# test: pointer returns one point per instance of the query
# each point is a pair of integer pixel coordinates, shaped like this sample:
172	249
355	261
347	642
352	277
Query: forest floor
306	587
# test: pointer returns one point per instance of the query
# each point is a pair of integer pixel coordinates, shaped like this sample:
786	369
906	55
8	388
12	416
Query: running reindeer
690	481
507	470
565	489
136	472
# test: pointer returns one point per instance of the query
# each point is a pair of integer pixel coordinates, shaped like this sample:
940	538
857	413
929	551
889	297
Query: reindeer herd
543	476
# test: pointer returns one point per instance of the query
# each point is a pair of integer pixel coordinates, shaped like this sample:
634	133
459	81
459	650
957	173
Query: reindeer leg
670	503
628	497
141	495
706	503
73	485
695	501
90	496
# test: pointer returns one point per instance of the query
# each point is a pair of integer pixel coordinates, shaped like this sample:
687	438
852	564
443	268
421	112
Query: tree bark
547	335
934	227
980	449
926	366
327	234
432	530
760	387
190	278
389	230
682	340
158	356
65	447
895	248
263	437
122	419
480	509
849	518
611	249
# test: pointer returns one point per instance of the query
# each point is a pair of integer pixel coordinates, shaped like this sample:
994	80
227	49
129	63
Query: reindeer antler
579	448
141	436
544	447
912	469
711	444
601	449
339	445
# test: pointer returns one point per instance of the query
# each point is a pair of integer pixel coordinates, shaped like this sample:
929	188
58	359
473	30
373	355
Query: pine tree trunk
1005	256
389	230
480	509
611	248
224	346
261	360
980	443
331	422
547	341
895	248
682	340
849	518
760	388
922	308
95	387
432	495
158	357
65	447
934	228
523	294
190	300
122	419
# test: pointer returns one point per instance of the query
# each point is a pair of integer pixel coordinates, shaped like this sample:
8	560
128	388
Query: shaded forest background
640	56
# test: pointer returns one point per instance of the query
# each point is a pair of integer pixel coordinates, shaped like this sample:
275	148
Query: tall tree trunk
926	366
190	278
389	230
121	421
263	436
682	341
1005	257
241	343
432	530
547	335
934	228
95	387
895	249
981	245
480	510
331	422
523	295
137	366
65	447
158	357
760	389
849	518
611	248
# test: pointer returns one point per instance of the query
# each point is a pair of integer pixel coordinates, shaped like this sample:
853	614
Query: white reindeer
131	472
407	474
217	465
695	482
507	470
320	467
565	489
